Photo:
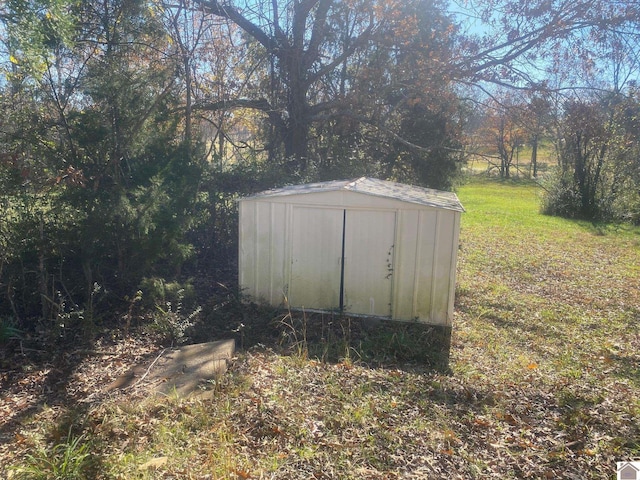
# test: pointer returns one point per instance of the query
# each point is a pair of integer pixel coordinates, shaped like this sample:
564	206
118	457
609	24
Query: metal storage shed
365	247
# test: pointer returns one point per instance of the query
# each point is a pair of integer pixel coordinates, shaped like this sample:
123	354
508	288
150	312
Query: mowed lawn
548	334
543	378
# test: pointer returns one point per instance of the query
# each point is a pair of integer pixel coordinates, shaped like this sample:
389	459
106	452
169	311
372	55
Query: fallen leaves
63	381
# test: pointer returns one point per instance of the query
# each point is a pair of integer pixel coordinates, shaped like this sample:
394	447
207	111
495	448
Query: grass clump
8	331
69	460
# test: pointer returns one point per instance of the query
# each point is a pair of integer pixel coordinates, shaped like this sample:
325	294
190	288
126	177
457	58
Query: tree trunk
188	106
295	143
42	275
534	155
296	135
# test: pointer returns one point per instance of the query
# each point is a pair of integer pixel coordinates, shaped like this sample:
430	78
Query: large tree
328	67
349	63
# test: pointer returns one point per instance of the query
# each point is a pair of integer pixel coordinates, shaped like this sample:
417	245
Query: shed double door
342	259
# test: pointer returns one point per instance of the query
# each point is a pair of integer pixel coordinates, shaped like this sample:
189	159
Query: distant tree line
129	127
592	144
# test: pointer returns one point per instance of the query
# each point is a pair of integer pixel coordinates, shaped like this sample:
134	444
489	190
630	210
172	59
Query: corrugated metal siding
405	266
441	262
423	281
262	250
369	257
275	274
455	241
315	258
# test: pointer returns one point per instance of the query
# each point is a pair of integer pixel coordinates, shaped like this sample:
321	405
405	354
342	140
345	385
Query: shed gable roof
375	187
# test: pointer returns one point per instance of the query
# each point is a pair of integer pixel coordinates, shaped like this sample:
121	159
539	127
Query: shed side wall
454	266
405	267
442	269
424	258
246	248
262	254
277	253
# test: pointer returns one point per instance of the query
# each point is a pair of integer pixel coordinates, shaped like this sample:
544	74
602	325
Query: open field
543	378
487	161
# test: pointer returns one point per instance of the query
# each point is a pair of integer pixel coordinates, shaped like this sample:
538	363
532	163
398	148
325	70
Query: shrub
561	198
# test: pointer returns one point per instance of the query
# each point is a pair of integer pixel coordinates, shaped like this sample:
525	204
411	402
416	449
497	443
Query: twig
148	369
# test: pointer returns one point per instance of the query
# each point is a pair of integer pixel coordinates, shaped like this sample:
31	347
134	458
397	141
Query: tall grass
69	460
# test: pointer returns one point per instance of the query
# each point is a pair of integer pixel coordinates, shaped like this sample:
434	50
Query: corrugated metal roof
375	187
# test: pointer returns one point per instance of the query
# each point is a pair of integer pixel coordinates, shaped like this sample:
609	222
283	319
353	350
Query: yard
542	380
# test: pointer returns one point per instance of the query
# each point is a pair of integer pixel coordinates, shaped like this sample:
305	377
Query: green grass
549	309
543	379
488	160
69	460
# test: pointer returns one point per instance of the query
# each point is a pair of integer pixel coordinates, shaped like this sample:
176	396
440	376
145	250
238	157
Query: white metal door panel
368	273
316	253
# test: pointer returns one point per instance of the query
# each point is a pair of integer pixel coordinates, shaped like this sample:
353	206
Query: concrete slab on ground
182	371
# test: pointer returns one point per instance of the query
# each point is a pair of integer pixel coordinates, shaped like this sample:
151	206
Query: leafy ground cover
542	378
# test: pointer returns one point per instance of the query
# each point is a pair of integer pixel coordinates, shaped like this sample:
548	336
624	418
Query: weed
8	331
407	342
294	333
69	320
70	460
172	323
